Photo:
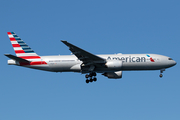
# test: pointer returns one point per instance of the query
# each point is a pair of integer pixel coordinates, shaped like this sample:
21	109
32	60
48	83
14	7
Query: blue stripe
17	38
20	41
15	35
29	51
26	48
23	44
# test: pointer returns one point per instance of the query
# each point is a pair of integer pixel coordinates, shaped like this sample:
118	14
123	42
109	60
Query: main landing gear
161	71
91	76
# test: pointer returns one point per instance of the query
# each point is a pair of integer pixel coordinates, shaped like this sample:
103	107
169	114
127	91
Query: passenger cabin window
170	59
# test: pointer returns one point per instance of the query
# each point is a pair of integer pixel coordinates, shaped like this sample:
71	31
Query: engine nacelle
113	75
114	64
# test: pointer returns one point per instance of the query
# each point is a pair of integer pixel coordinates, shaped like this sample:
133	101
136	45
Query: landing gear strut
91	76
161	71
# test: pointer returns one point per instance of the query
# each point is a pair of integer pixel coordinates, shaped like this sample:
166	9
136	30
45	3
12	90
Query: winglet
63	41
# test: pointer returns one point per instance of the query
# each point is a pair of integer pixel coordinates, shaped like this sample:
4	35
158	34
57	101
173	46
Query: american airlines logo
151	59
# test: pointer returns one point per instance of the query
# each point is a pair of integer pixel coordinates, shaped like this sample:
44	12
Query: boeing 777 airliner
110	65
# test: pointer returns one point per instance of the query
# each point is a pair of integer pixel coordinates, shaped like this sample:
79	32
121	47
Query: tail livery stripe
12	39
19	51
16	45
17	48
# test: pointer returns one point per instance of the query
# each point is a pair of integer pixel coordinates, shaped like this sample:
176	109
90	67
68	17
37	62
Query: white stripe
27	54
17	48
14	42
33	59
10	36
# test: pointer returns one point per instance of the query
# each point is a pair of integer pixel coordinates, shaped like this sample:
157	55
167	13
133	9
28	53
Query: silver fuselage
70	63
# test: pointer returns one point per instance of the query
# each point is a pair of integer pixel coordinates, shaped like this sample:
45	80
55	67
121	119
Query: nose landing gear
91	76
161	71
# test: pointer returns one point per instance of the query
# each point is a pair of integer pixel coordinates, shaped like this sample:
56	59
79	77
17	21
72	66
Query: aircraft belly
40	67
142	66
64	66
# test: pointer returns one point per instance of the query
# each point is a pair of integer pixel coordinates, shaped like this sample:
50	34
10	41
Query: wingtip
7	54
63	41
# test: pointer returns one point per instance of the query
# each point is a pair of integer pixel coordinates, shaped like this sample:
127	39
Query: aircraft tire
91	80
86	76
87	81
95	79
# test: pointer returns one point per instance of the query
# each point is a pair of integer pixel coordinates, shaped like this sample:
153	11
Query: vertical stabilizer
21	49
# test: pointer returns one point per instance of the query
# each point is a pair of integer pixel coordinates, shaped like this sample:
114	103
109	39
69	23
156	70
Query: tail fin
21	49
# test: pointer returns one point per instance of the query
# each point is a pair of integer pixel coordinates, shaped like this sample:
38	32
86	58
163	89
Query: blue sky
100	27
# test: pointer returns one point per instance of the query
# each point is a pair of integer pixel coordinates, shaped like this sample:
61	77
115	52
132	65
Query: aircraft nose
174	63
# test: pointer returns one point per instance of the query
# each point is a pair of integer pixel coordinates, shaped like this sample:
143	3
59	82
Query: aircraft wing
83	55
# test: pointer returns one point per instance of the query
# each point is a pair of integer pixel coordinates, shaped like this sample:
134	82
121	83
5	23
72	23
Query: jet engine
114	64
114	75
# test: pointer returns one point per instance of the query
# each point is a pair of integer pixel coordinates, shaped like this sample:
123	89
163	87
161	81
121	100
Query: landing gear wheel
95	79
161	71
86	76
91	77
87	81
91	80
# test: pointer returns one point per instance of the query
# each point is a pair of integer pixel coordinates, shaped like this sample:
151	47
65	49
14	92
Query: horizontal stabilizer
16	58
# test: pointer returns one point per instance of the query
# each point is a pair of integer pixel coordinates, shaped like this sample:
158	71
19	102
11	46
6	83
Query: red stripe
19	51
16	45
38	63
33	63
30	57
9	33
12	39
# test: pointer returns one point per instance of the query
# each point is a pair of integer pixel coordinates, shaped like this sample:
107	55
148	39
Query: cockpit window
170	59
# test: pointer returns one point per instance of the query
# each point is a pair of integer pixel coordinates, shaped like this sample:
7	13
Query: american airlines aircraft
110	65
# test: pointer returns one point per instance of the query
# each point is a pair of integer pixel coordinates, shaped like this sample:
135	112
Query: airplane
81	61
